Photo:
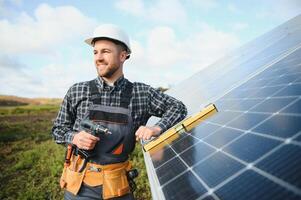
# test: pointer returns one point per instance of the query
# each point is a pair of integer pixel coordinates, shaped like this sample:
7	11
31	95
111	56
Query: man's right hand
84	140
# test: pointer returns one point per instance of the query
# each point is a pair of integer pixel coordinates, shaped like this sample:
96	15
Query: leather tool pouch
74	180
115	183
63	182
93	178
71	180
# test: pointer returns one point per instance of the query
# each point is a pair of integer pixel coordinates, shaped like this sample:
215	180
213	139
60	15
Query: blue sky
43	53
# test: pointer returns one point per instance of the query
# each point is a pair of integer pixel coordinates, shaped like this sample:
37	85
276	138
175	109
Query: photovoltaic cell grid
250	150
217	79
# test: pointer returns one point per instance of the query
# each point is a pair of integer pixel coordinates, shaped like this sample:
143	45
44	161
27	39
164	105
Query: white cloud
164	58
239	26
7	62
57	78
133	7
50	27
167	11
209	45
15	80
167	59
51	80
163	49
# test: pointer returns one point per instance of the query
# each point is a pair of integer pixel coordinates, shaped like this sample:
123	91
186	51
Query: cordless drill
94	129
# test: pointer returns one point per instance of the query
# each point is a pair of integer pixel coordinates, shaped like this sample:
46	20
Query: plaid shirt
145	102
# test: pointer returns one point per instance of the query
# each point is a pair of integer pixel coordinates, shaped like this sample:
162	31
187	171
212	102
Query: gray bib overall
115	147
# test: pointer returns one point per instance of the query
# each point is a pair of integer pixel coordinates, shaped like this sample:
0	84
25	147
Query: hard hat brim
89	41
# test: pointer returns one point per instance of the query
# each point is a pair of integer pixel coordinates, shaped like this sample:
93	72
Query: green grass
27	109
31	162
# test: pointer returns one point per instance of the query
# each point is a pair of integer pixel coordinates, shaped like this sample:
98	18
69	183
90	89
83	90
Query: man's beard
108	72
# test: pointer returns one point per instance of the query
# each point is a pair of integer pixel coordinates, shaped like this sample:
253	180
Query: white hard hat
112	32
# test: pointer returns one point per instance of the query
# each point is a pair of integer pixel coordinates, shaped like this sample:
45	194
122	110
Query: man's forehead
104	43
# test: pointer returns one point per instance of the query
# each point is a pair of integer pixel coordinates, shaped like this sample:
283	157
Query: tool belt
112	177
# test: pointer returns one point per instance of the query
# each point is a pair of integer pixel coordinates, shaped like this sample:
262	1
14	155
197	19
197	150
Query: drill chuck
101	129
95	129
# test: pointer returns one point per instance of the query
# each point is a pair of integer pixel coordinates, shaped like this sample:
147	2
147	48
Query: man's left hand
146	132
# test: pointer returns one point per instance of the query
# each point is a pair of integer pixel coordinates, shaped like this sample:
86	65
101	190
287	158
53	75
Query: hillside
7	100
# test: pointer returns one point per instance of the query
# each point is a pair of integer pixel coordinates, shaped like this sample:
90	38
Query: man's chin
104	75
101	73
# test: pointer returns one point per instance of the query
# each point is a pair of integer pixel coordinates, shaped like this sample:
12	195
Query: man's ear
123	56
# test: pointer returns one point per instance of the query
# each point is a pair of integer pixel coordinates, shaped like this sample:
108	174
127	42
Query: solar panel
251	149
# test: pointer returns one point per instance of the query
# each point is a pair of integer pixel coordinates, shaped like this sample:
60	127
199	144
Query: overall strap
125	97
95	97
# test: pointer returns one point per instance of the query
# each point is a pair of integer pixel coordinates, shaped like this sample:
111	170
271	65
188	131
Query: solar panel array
251	149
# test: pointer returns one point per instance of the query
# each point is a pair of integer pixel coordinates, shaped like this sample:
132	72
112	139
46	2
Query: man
122	107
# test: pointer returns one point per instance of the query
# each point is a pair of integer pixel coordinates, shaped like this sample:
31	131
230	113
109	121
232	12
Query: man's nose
99	56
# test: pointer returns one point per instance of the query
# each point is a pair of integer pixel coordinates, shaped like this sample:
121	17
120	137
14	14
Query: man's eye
106	51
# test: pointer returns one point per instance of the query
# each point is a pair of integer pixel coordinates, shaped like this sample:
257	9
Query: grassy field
31	162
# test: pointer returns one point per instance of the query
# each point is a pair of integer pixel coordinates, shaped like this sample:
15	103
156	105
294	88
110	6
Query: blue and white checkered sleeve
62	128
168	108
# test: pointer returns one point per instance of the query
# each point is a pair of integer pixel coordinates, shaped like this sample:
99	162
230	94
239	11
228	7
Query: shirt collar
117	84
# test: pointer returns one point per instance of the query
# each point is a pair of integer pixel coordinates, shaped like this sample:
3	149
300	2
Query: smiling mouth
101	64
